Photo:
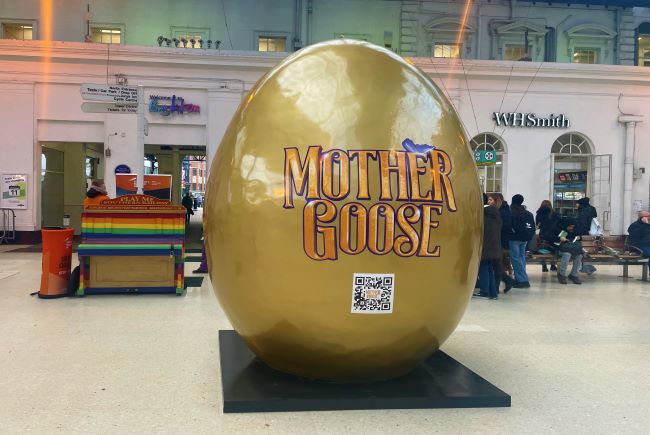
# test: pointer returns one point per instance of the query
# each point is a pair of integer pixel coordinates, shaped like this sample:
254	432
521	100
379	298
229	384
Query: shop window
491	177
585	55
91	167
643	45
269	43
107	34
22	31
446	50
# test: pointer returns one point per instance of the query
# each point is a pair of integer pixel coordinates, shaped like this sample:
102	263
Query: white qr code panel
372	293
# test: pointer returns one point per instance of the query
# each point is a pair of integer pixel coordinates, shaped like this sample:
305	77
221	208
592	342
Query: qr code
372	293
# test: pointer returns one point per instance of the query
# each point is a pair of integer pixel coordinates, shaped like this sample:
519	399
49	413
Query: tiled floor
576	359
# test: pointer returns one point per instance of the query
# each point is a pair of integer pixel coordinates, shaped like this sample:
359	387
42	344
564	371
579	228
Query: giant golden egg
343	218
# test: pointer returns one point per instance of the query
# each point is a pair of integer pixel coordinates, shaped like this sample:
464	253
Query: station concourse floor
576	360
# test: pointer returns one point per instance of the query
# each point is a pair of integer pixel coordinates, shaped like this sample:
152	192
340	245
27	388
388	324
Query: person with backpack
523	230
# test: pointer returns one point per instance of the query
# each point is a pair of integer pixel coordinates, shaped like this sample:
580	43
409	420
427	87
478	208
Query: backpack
523	225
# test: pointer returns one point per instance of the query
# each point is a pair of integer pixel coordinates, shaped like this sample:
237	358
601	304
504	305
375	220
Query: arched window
491	176
571	143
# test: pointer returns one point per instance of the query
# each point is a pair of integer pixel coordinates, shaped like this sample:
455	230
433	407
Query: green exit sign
485	158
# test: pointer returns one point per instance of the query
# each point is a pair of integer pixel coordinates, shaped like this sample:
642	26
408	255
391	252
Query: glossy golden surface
293	311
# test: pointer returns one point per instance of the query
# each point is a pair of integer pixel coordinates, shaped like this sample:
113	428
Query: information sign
110	93
109	108
485	158
14	191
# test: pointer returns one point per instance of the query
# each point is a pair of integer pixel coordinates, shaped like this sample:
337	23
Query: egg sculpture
343	215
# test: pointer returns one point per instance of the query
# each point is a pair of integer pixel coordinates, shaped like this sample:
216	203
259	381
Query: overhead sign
167	105
530	120
110	93
485	158
109	108
14	191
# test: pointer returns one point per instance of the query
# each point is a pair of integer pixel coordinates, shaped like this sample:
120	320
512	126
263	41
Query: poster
159	186
125	184
14	191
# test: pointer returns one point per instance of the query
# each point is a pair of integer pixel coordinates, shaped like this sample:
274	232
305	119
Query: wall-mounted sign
567	177
14	191
485	158
530	120
110	93
122	169
167	105
126	184
109	108
155	185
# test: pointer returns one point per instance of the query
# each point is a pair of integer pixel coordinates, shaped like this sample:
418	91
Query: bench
601	250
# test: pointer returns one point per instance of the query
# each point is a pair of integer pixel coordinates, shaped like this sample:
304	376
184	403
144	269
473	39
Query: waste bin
57	258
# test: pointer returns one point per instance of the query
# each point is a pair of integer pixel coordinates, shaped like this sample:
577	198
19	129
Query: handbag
573	248
595	229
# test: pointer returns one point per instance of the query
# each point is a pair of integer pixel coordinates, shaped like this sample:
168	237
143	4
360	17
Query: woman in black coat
491	254
506	233
546	218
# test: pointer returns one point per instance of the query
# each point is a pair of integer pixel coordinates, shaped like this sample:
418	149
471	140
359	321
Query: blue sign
122	169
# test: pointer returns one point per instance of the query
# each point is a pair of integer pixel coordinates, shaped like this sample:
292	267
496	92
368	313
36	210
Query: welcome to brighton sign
530	120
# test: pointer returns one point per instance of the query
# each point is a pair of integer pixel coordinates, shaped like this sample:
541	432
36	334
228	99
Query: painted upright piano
132	244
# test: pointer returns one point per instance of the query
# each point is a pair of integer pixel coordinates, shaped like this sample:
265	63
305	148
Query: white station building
560	131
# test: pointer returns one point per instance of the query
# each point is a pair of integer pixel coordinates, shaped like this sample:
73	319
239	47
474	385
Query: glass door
569	176
600	188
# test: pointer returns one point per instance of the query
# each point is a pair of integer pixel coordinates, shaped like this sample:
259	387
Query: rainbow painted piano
132	244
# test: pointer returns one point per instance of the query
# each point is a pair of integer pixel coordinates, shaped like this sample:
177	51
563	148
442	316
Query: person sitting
569	249
545	218
96	194
639	233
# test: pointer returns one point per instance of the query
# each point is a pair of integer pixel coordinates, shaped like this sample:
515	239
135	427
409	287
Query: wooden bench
601	250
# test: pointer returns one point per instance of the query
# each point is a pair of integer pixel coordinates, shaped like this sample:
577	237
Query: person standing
491	254
523	230
546	218
506	228
188	204
586	212
639	233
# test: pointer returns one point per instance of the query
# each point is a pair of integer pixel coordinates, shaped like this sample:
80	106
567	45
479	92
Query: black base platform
249	385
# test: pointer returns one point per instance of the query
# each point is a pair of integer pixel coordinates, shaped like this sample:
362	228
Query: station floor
576	360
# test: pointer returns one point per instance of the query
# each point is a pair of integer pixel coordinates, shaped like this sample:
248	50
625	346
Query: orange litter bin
57	258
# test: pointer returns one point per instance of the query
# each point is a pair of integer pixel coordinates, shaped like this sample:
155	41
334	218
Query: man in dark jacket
188	203
639	233
563	236
491	254
586	212
523	229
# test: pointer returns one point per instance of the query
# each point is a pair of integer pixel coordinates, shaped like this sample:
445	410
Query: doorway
67	168
577	173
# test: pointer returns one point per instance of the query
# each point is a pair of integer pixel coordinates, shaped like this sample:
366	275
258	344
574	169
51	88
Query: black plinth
249	385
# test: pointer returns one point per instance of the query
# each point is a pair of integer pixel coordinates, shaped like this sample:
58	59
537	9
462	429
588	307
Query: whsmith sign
530	120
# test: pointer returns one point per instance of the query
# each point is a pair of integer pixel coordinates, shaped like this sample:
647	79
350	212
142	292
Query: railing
7	225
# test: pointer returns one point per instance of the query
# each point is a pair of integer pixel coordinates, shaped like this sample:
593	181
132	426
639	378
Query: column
628	167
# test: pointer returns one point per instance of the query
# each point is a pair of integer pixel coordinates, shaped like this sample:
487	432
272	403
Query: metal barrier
7	225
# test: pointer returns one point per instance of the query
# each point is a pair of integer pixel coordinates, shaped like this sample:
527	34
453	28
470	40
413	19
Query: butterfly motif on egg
413	147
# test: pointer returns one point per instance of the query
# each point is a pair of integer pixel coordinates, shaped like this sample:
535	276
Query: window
515	52
23	32
643	44
446	50
91	167
272	43
106	35
585	55
491	176
571	143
